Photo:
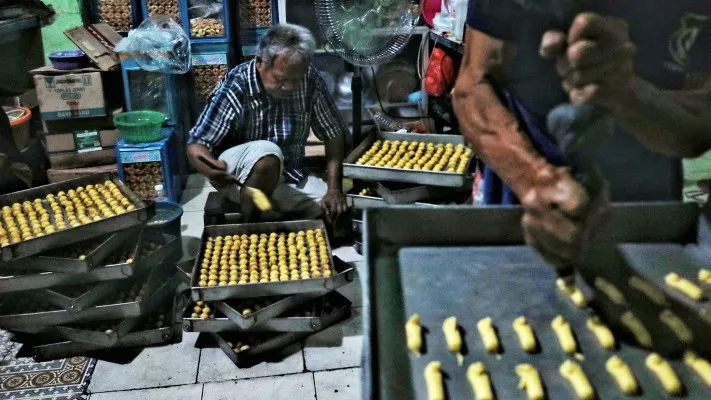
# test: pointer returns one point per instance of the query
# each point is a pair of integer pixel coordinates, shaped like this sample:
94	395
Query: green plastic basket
140	126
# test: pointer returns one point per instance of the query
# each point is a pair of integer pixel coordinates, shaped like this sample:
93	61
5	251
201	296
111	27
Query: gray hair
294	42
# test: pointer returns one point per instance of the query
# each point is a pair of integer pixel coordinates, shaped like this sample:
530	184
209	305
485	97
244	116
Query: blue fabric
673	39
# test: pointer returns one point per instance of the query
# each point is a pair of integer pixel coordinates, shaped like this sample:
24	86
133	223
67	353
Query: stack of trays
87	286
381	186
251	320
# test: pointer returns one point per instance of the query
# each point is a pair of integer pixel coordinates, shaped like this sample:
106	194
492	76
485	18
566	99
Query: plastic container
140	126
20	123
69	59
167	218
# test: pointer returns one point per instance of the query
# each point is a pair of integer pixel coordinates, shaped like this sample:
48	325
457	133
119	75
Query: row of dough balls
530	379
81	206
417	156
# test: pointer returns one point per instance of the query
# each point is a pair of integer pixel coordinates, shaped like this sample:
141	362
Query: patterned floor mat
23	378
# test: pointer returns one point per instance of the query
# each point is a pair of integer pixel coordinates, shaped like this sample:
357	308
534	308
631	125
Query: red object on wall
429	9
440	73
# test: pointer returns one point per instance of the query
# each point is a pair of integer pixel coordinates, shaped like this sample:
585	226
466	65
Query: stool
220	211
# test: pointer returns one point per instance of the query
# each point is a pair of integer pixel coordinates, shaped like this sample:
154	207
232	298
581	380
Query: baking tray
492	272
343	272
113	270
55	261
63	297
37	322
431	178
138	337
398	193
357	201
143	212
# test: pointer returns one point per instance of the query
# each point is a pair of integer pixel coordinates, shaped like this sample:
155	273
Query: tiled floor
324	367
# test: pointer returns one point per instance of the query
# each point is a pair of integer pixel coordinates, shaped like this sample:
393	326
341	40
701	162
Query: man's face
281	78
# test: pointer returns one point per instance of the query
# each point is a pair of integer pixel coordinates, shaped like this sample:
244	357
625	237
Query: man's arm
212	127
329	127
595	60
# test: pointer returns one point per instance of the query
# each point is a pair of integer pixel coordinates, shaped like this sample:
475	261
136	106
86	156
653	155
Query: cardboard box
73	159
98	42
85	141
55	175
81	124
75	94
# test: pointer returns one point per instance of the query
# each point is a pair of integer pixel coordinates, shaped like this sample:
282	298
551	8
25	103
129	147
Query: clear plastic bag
206	18
158	44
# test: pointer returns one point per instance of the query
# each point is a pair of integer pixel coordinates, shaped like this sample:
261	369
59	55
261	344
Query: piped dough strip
564	332
486	329
665	374
623	375
573	292
602	333
479	379
434	381
530	381
684	286
453	338
574	374
525	334
413	334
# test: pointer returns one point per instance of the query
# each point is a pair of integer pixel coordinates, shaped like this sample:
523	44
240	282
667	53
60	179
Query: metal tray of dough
490	271
431	178
343	273
139	336
56	261
115	268
237	320
143	212
36	322
63	297
263	343
397	193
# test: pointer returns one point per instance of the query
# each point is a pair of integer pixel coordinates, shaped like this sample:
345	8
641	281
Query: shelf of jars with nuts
170	8
206	20
208	70
121	15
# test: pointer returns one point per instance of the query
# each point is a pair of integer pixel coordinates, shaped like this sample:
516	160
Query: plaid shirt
240	111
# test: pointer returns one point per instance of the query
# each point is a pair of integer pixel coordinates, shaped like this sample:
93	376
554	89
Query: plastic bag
158	44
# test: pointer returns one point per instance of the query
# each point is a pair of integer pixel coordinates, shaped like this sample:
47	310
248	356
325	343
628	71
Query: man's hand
215	170
333	204
595	59
560	219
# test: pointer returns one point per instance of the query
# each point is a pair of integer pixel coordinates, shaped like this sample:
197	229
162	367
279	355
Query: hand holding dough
705	276
623	375
575	375
479	379
602	333
525	334
454	339
413	333
684	286
433	380
573	292
701	366
664	372
488	334
530	381
562	329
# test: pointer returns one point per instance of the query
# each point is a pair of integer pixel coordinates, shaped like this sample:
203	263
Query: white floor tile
196	181
176	364
289	387
215	366
194	199
340	384
192	223
336	347
184	392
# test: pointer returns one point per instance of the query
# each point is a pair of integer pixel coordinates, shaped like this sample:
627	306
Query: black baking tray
471	263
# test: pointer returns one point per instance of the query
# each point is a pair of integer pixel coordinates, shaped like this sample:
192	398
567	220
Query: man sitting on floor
260	116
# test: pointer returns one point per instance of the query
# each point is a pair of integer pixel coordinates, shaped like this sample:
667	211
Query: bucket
140	126
167	218
20	123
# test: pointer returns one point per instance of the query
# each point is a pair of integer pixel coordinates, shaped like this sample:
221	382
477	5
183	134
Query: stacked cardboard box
77	107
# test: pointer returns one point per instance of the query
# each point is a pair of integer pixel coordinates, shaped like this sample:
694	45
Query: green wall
67	16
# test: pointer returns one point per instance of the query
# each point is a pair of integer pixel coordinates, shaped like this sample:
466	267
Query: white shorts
301	199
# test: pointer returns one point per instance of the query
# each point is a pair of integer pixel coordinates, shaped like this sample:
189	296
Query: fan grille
367	32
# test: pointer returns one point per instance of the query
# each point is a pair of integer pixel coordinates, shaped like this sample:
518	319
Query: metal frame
143	212
430	178
342	273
